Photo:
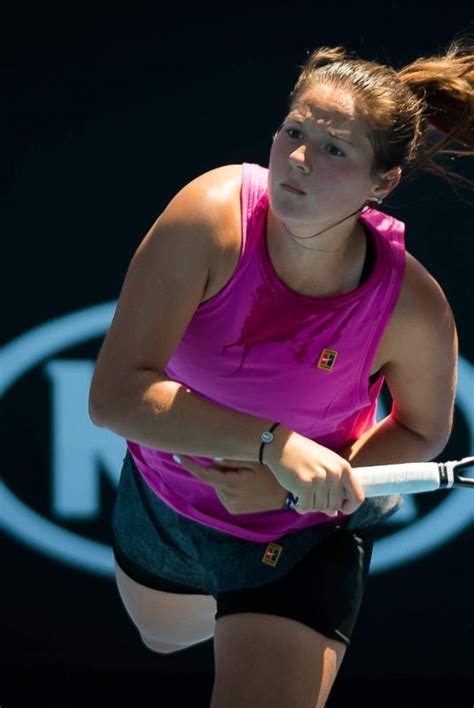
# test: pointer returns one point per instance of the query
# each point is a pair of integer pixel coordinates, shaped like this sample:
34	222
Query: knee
159	647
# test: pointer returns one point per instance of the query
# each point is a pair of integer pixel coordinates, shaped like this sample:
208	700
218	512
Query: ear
387	183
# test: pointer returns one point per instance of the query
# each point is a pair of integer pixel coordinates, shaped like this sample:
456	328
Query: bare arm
130	394
421	376
162	414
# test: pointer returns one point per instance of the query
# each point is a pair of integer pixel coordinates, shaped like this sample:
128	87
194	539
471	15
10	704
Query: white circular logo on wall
77	445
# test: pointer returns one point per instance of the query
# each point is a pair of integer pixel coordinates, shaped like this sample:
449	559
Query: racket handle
405	478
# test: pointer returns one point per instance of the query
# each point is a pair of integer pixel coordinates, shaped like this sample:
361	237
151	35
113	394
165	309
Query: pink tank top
261	348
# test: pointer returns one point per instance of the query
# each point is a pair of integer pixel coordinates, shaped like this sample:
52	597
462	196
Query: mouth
289	188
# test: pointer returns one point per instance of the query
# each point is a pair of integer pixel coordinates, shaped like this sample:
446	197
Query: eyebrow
338	137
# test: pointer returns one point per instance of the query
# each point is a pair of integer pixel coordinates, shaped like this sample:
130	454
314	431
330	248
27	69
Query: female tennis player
257	322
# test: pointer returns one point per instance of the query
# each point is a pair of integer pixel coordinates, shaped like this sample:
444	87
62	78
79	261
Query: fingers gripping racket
413	477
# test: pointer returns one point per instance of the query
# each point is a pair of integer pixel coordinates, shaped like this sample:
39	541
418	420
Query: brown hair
430	99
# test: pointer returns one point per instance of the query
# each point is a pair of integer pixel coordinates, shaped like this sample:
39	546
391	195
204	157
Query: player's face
321	147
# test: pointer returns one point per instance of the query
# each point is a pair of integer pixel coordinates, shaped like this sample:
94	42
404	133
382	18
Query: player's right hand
323	480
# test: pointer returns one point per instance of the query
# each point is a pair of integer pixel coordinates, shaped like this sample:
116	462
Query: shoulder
199	216
421	296
205	210
217	189
212	200
422	315
207	213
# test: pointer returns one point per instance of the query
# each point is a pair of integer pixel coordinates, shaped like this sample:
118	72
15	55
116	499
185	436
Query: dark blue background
110	114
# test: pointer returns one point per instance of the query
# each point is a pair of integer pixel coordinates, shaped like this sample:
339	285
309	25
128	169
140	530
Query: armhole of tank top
374	377
252	189
370	256
243	204
367	381
246	197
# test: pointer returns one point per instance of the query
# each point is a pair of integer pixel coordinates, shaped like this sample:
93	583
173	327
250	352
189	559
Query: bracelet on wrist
266	438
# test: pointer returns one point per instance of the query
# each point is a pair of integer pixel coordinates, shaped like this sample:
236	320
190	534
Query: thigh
266	660
166	621
282	643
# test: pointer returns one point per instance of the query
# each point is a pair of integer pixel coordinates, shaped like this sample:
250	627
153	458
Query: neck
329	262
336	239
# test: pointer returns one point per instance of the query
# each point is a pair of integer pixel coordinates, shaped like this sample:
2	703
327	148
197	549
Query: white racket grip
405	478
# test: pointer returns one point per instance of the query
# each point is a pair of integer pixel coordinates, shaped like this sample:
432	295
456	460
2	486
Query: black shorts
316	576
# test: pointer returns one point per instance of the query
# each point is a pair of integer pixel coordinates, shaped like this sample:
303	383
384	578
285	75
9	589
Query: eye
331	146
289	130
341	154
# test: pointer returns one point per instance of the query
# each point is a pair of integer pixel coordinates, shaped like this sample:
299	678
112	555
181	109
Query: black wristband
266	437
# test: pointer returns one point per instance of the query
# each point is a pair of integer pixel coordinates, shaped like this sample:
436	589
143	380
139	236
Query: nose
298	158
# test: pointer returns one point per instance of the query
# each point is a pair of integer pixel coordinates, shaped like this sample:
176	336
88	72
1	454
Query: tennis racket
413	477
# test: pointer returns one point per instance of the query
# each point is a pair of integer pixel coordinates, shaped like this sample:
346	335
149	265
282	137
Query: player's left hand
243	486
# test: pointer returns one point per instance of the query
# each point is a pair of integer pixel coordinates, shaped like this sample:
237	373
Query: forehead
330	106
